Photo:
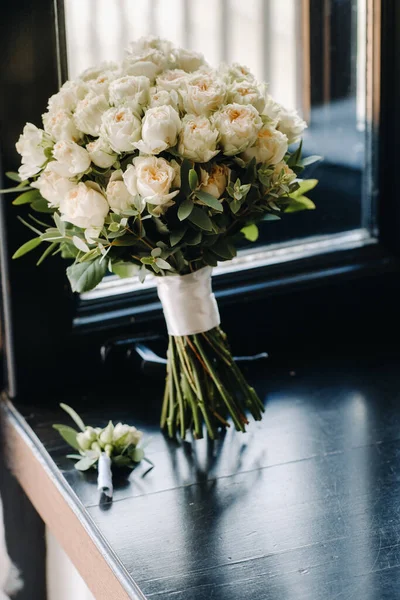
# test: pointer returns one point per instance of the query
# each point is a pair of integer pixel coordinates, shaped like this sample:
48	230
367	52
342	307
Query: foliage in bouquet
158	164
120	442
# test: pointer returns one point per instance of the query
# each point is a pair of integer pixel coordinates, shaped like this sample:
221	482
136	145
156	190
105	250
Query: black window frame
48	332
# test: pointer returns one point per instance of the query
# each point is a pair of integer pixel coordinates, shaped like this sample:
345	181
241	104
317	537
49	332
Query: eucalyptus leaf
176	235
27	247
74	416
209	200
85	463
162	264
142	274
46	253
27	197
68	434
125	269
193	179
199	217
185	208
85	276
80	244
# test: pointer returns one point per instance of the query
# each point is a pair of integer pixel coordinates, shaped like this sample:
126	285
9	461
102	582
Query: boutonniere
101	448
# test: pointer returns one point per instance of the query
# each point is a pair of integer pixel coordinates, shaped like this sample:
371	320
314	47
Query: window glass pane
311	52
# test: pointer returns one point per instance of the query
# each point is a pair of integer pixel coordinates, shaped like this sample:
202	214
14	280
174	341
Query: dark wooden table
306	505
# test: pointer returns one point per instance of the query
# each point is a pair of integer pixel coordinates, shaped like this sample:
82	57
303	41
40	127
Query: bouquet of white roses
162	164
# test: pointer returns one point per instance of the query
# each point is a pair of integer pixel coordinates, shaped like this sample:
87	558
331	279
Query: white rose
149	62
84	207
173	79
86	438
68	96
238	126
31	145
100	85
71	159
150	42
235	72
101	153
152	178
272	109
198	139
291	124
132	91
121	128
117	193
95	72
52	186
163	98
215	181
125	435
203	94
270	147
160	128
245	92
61	125
89	112
187	60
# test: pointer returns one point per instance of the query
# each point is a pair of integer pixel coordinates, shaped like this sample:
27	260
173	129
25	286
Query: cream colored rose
291	124
61	125
188	60
100	85
271	110
150	42
163	98
283	174
215	181
160	128
235	72
70	159
270	147
125	435
149	62
121	129
31	145
117	193
203	94
95	72
84	207
101	154
152	178
89	113
246	92
131	91
52	186
198	139
173	79
238	127
68	96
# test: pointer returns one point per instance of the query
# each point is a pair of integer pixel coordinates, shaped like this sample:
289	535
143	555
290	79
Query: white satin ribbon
104	479
188	303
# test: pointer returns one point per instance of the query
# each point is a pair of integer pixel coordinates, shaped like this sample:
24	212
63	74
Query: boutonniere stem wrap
102	448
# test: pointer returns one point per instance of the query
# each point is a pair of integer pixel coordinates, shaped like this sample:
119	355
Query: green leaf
176	235
209	200
137	455
185	168
185	208
125	269
142	274
294	158
193	238
27	197
27	247
68	434
304	186
199	217
301	203
41	205
46	253
193	179
85	463
250	232
122	461
235	206
13	176
271	217
80	244
310	160
74	416
74	456
156	252
126	240
85	276
160	262
224	249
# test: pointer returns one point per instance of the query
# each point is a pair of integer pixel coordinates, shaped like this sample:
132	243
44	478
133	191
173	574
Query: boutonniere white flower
101	448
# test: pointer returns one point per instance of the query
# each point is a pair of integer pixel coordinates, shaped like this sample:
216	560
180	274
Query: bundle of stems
204	385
